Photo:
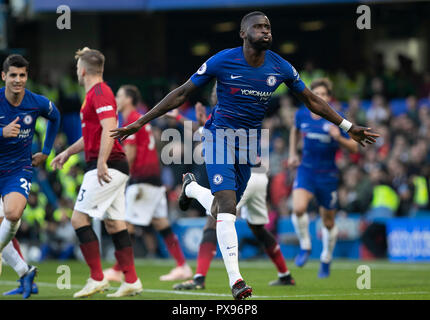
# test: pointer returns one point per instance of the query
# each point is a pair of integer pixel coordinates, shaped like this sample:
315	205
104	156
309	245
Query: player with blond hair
102	191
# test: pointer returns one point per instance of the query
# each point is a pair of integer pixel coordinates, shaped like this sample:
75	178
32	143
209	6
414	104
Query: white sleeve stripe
103	109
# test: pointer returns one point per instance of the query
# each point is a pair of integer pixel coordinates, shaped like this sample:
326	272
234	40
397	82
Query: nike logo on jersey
235	77
228	248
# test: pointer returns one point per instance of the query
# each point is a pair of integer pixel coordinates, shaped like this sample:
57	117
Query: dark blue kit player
19	110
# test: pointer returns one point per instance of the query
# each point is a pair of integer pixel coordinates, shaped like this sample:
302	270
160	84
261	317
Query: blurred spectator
309	73
33	219
405	78
355	112
424	90
412	108
60	239
278	156
385	200
355	193
378	111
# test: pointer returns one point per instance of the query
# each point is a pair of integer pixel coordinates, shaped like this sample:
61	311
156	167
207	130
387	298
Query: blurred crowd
387	179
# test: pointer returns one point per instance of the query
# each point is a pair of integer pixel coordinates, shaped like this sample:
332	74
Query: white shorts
102	202
143	202
253	205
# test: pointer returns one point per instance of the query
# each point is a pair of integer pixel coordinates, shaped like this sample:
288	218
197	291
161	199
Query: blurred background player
145	196
19	110
13	257
252	207
317	175
102	191
247	77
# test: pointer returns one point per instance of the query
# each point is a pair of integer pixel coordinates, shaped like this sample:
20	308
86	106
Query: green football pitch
387	280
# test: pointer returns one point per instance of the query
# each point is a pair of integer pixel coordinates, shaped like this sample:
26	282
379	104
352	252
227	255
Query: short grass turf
388	281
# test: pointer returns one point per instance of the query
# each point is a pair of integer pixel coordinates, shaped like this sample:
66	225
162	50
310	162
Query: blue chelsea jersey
15	153
244	91
319	148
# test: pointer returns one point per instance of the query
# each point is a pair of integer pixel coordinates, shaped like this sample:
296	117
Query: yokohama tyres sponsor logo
264	95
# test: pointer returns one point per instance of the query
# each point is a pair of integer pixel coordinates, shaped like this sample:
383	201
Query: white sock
329	238
201	194
13	259
8	230
280	274
301	226
228	244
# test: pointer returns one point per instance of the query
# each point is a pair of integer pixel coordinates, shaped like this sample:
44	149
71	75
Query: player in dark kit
246	76
102	190
19	110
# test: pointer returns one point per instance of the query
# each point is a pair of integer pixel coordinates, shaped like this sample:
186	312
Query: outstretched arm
60	159
173	100
317	105
51	113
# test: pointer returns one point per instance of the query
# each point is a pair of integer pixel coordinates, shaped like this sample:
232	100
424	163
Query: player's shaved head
15	60
92	60
255	30
247	17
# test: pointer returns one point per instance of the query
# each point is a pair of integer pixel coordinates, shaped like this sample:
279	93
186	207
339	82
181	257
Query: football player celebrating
247	76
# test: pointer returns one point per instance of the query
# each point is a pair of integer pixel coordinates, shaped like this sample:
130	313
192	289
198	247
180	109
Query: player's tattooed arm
173	100
317	105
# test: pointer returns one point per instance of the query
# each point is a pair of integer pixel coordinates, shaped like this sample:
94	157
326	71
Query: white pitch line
208	294
312	265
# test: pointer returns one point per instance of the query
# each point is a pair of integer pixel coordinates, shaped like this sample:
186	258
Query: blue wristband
1	132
